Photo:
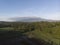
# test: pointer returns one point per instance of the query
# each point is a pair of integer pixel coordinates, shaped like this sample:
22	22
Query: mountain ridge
31	19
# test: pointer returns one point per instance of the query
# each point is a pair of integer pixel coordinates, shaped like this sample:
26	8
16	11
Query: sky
48	9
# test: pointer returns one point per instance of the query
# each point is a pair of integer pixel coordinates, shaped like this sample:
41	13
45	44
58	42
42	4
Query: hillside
41	33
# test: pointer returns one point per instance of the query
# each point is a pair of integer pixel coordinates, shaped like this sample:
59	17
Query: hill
30	19
48	32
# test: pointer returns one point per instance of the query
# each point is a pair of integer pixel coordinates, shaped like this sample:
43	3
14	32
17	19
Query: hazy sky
49	9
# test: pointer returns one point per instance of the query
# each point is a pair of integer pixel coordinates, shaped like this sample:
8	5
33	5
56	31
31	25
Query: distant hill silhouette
30	19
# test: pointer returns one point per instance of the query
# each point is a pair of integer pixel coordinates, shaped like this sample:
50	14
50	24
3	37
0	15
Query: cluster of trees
28	26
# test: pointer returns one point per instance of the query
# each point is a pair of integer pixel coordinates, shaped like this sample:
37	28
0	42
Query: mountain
30	19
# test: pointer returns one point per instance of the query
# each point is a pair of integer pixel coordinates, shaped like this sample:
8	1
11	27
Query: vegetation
41	33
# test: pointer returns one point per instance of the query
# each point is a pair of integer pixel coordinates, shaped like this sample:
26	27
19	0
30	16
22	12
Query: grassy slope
55	36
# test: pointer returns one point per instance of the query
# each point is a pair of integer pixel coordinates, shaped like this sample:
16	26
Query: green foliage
49	31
